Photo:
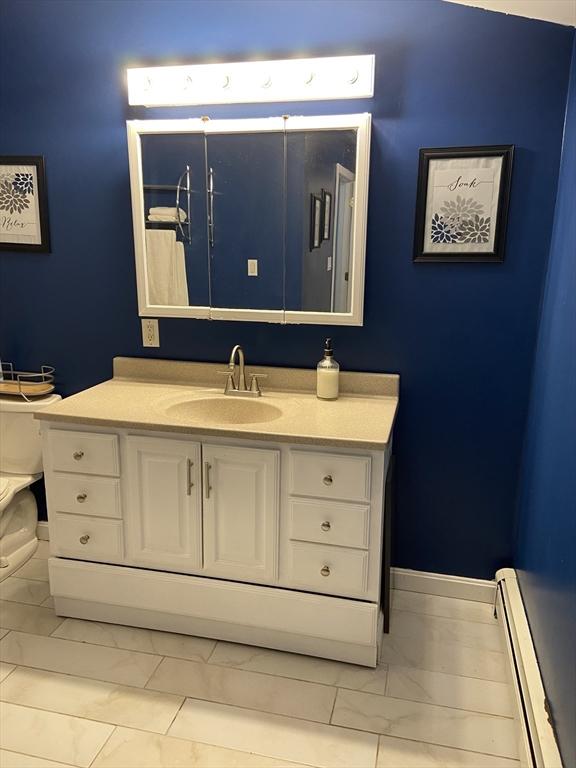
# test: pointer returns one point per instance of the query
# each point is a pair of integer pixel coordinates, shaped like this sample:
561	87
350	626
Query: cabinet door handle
327	480
77	455
207	486
326	525
189	478
81	498
84	539
325	571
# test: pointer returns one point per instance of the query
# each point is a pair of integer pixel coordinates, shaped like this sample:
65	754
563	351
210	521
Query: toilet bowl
20	466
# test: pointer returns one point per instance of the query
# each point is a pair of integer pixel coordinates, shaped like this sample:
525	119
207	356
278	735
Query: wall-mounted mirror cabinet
259	219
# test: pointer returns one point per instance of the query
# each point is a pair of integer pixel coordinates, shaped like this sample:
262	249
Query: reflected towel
166	214
166	269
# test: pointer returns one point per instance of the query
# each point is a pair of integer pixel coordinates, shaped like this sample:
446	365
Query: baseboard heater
538	747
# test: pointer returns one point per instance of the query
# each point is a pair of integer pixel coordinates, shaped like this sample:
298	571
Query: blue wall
546	547
461	336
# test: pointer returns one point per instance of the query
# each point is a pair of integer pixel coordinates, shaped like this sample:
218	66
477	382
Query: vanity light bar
335	77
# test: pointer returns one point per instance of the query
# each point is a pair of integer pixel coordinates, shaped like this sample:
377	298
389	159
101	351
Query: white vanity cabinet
163	520
241	506
258	542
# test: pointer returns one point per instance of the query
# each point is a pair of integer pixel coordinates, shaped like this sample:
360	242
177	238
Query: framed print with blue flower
23	204
462	203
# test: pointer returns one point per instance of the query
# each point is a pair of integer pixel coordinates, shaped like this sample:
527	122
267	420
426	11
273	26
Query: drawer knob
84	539
81	498
326	525
78	455
325	571
327	480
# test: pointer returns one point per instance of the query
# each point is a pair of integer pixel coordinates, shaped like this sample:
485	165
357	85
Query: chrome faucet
241	385
238	387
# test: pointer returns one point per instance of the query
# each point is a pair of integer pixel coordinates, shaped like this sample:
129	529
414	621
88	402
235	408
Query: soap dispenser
327	372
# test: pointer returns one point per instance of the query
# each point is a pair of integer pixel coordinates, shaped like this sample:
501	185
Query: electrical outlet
252	267
150	333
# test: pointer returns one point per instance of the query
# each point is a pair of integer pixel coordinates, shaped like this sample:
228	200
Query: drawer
327	522
330	475
85	495
85	452
333	570
88	538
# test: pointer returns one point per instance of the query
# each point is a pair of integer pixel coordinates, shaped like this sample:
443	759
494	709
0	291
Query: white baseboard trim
42	531
538	739
444	585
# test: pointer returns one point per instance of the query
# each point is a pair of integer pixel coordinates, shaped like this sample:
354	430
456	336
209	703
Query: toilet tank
20	444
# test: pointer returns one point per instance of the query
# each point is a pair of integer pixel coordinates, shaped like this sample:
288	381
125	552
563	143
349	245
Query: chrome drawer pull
81	498
325	571
78	455
327	480
326	525
84	539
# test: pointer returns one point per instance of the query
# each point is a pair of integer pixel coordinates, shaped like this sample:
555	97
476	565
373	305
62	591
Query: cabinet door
164	519
241	488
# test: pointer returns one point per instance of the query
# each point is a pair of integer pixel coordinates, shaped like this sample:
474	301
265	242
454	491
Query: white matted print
462	203
23	224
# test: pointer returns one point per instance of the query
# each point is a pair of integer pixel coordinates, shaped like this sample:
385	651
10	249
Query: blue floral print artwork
460	221
16	190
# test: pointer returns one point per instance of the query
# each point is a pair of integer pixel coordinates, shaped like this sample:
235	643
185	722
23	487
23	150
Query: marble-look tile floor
78	693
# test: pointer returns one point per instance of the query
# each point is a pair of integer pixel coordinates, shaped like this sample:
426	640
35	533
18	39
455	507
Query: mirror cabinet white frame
361	123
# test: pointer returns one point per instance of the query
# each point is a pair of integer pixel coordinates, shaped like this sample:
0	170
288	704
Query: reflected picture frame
316	223
23	204
462	201
326	215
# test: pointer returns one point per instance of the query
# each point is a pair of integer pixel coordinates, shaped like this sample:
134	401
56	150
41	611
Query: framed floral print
23	204
462	203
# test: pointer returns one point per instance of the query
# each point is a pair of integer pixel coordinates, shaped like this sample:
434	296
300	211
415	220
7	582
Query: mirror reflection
244	221
320	176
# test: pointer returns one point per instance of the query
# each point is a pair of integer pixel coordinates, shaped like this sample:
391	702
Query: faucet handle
230	385
254	386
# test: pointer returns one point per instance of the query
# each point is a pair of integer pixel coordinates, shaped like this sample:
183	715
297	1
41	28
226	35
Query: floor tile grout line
94	645
493	623
85	677
175	716
8	675
91	719
259	672
97	755
153	672
337	691
274	714
443	746
433	704
421	741
27	754
212	652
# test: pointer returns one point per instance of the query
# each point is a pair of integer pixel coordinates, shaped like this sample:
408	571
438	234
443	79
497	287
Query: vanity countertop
143	393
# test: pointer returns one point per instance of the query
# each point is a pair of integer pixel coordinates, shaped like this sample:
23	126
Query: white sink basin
224	410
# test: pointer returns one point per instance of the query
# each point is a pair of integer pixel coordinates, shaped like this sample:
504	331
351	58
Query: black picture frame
326	214
475	230
18	196
316	224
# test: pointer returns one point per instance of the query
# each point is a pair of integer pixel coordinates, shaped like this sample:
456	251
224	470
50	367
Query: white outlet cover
252	267
150	332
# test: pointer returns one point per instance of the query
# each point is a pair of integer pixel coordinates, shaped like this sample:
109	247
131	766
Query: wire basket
26	384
